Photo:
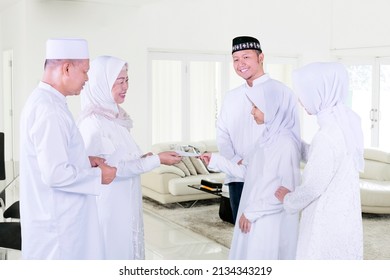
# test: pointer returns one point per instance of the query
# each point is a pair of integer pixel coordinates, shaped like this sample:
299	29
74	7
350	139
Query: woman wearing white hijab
105	128
263	229
329	195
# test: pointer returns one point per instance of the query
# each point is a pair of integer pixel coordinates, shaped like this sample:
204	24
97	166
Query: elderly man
58	181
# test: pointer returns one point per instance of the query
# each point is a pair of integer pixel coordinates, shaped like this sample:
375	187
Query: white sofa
168	184
375	182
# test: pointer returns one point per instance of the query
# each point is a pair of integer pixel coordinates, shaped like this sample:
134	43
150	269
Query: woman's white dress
331	220
120	203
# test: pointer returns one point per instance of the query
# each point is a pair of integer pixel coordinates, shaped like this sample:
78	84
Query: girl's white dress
273	162
274	232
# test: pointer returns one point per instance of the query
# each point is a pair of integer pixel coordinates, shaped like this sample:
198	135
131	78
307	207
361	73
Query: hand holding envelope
187	154
206	157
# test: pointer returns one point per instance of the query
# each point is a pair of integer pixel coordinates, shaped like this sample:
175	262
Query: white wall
310	30
107	29
13	38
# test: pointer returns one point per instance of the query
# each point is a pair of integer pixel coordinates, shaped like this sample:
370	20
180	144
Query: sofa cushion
189	165
377	155
199	166
375	193
169	169
376	170
183	168
157	182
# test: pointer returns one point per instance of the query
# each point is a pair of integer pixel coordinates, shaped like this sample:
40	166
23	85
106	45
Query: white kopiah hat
67	48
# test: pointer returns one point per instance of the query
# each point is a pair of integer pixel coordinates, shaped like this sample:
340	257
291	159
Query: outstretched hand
281	193
169	157
206	157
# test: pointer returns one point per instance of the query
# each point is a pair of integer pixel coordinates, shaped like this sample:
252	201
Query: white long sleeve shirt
58	187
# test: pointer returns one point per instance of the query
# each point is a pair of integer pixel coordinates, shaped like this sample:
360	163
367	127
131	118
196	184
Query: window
166	100
205	99
384	103
187	91
369	97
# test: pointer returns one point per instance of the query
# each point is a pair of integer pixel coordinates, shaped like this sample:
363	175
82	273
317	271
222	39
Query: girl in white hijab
105	128
263	229
329	195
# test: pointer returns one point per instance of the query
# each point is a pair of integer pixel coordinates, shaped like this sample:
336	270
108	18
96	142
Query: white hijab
96	97
279	106
322	88
280	109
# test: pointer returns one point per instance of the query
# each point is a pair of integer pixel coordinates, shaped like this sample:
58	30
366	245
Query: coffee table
225	210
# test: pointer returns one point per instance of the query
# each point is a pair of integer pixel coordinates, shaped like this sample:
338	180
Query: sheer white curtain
186	96
205	92
166	101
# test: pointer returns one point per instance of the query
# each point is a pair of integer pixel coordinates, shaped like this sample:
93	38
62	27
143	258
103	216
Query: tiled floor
9	254
165	240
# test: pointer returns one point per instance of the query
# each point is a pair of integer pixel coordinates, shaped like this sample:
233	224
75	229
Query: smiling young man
237	131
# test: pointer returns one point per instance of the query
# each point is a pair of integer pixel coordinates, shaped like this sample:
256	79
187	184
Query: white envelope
187	154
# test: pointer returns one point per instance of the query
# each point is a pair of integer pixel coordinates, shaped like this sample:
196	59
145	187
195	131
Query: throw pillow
189	165
199	166
183	167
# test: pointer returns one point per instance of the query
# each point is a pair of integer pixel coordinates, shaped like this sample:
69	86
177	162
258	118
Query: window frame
376	63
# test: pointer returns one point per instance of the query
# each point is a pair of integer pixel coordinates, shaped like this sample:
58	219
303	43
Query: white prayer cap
67	48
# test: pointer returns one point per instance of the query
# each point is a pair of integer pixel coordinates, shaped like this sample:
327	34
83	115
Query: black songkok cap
245	43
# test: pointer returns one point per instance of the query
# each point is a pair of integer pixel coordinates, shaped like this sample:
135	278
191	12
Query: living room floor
165	240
